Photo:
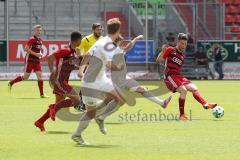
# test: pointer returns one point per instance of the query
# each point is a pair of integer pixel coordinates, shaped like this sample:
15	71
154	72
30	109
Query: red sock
63	104
40	86
44	117
181	103
199	98
17	79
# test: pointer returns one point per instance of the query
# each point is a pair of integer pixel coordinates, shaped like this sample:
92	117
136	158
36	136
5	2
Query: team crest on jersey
38	46
109	47
177	60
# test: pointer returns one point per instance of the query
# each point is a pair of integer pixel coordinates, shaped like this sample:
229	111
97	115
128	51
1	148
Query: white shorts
94	93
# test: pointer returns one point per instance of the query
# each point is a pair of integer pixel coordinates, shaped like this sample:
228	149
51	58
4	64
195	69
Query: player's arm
113	67
132	43
56	56
86	60
83	65
161	56
51	60
29	51
78	51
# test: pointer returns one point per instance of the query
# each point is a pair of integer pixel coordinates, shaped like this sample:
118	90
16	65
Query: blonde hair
37	26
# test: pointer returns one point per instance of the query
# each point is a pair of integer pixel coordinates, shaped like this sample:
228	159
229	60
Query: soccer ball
218	111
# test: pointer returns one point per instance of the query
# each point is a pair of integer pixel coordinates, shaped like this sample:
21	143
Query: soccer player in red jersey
64	60
32	60
174	80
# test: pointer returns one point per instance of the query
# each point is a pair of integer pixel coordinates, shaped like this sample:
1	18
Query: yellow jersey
86	43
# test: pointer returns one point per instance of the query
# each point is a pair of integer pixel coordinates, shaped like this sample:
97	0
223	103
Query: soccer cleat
52	112
183	117
80	107
9	87
40	126
210	105
44	96
166	101
100	123
79	140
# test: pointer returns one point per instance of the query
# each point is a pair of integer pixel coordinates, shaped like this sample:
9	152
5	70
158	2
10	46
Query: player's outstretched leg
12	82
153	98
196	94
18	79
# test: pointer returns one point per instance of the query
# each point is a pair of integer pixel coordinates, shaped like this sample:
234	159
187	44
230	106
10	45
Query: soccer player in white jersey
95	81
124	82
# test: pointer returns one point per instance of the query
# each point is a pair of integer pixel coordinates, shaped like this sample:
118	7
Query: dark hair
76	36
113	25
182	36
95	25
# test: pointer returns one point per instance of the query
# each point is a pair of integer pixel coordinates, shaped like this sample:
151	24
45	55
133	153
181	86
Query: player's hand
164	47
140	37
80	75
120	66
78	51
39	55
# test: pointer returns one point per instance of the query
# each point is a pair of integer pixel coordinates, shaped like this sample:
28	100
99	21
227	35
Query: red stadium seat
231	9
238	9
228	2
236	2
237	19
228	36
235	28
229	19
238	36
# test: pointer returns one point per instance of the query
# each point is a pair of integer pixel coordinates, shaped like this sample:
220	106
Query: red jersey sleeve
61	53
168	50
30	41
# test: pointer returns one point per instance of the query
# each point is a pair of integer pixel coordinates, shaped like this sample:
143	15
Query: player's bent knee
25	78
141	90
192	88
182	90
76	100
91	112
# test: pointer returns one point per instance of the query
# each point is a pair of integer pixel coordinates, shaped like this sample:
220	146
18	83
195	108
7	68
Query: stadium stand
232	18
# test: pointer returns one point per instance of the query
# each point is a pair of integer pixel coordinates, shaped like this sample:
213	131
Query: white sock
153	98
82	125
111	107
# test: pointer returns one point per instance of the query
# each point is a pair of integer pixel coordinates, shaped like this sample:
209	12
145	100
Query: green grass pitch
202	138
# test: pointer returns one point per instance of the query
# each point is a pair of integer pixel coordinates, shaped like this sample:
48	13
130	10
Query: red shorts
174	81
63	88
29	67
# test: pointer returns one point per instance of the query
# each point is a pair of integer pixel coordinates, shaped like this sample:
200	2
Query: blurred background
210	25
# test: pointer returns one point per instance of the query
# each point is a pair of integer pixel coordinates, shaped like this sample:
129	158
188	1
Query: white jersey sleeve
92	50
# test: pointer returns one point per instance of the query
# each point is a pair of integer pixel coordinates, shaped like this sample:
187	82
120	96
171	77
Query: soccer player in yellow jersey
89	40
85	45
